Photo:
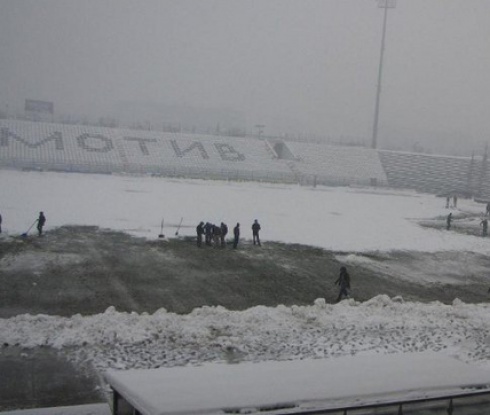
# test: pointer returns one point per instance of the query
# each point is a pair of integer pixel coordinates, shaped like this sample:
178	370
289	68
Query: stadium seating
104	150
433	174
60	147
338	165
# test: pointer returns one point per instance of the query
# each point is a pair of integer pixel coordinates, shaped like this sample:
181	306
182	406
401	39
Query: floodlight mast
382	4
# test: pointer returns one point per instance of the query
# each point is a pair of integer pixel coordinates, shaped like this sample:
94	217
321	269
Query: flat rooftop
302	384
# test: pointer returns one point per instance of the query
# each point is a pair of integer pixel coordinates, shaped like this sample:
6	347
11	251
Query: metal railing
475	402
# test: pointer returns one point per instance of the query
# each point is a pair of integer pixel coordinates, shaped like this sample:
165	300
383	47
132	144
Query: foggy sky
301	65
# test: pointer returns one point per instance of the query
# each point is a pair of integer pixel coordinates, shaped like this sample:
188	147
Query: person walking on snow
236	234
200	232
208	229
484	224
40	223
448	220
224	232
255	232
344	282
216	235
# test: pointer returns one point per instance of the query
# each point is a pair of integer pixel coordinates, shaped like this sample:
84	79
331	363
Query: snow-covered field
340	219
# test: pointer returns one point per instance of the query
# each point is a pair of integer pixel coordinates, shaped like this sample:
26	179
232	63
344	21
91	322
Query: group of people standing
215	235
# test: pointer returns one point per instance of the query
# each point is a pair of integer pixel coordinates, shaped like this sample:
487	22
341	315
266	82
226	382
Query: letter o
107	143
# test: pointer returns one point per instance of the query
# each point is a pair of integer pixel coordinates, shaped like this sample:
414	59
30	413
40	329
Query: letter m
5	134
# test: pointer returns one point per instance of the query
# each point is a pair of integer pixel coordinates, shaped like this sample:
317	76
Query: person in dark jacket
208	231
200	232
255	232
449	220
484	224
224	232
344	282
236	234
40	223
216	235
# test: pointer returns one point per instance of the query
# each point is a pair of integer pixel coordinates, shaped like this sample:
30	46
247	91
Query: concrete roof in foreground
314	383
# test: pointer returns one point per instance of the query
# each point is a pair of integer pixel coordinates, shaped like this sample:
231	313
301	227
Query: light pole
383	4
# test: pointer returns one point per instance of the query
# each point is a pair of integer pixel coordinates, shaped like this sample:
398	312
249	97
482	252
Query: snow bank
382	325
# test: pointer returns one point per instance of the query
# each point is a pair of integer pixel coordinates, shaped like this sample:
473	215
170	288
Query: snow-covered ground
340	219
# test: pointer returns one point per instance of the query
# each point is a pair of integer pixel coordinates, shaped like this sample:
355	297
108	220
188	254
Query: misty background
302	69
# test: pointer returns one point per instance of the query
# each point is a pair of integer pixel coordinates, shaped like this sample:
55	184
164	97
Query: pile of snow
381	325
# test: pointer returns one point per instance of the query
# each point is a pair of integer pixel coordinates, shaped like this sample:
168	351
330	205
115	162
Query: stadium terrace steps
47	146
88	149
31	145
335	164
436	174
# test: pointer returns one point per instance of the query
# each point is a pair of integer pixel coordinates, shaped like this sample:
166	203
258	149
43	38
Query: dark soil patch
86	269
43	377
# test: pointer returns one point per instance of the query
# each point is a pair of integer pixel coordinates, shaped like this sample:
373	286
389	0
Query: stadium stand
333	165
31	145
202	156
426	173
89	149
